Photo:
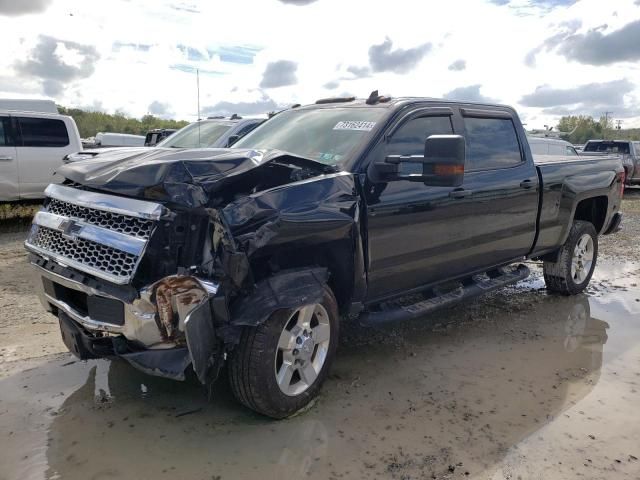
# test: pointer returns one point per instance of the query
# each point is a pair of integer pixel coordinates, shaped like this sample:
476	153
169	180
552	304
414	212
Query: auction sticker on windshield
355	125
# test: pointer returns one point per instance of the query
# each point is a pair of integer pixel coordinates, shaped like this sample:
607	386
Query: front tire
279	366
571	272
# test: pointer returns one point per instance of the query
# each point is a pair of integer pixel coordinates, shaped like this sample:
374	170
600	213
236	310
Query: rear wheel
571	272
279	366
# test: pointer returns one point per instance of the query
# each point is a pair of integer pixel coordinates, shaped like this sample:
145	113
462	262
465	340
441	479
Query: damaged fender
205	349
286	290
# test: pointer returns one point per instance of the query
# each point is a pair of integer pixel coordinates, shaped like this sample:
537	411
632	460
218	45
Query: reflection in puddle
402	402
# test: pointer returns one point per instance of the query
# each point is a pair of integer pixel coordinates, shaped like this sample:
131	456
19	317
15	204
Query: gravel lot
518	384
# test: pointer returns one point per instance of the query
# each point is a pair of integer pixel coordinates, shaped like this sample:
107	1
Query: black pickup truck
190	260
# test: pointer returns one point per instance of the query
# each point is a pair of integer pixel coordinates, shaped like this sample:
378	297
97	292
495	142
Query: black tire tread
557	275
246	361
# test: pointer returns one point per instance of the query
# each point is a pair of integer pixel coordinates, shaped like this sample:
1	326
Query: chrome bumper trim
86	322
109	203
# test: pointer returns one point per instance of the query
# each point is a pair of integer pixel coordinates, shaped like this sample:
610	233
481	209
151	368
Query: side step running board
475	286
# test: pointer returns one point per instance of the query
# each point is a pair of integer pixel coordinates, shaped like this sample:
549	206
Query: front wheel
571	272
279	366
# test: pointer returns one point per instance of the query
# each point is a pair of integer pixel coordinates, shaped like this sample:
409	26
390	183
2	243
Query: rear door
41	146
503	184
8	161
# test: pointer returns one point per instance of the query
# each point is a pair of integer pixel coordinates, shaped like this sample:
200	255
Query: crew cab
628	151
248	257
32	147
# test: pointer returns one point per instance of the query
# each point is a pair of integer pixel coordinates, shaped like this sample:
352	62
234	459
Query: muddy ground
518	384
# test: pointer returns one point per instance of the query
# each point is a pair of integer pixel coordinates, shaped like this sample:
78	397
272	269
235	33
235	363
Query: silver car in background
551	146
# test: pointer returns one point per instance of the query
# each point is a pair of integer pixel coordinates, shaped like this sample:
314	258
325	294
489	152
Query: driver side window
410	137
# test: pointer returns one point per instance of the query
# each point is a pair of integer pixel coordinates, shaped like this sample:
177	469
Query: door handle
6	158
526	184
462	193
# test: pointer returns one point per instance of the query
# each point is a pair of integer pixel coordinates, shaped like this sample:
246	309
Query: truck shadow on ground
402	401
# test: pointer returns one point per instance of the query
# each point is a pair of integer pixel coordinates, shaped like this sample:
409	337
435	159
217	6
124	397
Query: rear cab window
607	146
42	132
492	143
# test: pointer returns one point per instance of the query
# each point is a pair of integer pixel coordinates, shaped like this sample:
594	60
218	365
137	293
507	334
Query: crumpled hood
185	177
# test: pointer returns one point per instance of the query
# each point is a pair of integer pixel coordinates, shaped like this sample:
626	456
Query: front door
8	162
416	234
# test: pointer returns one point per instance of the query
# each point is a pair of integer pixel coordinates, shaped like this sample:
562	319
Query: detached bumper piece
168	363
440	297
82	344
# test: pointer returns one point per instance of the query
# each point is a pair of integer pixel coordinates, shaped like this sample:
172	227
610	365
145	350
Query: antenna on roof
375	98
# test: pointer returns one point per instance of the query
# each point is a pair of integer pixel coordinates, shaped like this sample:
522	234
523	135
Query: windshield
197	135
328	135
609	147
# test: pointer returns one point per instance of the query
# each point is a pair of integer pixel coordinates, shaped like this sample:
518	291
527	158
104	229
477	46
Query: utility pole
198	88
606	124
618	128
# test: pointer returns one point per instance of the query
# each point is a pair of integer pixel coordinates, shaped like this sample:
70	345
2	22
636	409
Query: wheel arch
593	210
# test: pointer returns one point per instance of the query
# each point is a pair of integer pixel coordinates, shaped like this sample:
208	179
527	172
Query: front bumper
161	330
168	363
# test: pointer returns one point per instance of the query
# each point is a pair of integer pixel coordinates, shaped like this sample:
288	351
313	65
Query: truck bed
565	181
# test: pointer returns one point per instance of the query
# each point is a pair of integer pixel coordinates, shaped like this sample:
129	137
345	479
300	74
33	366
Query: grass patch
18	211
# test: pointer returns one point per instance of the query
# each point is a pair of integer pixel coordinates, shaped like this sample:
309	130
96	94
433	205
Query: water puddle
517	384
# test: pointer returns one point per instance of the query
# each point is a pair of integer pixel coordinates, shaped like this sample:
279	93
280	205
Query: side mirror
442	163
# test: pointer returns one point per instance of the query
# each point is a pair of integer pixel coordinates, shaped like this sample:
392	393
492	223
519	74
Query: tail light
623	177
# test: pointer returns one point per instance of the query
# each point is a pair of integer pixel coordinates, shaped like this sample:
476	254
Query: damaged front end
164	261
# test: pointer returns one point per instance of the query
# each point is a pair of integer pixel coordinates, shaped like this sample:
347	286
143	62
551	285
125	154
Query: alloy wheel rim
582	259
302	349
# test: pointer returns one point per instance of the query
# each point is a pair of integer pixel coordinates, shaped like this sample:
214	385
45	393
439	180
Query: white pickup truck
32	146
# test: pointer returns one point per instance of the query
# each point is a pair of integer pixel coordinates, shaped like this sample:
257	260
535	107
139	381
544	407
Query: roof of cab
394	102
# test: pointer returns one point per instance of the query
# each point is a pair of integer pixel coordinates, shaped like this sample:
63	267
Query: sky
546	58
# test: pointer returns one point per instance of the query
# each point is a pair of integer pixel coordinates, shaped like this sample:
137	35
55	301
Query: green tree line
89	123
584	127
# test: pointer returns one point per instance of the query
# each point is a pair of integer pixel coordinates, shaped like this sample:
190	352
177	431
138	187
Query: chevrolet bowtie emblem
69	229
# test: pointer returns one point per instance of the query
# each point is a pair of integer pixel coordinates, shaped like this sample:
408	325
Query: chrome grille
93	255
136	227
99	234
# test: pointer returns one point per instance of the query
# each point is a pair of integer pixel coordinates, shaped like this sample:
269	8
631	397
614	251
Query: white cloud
148	52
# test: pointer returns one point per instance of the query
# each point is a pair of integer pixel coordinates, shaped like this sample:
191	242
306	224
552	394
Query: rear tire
571	272
279	366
